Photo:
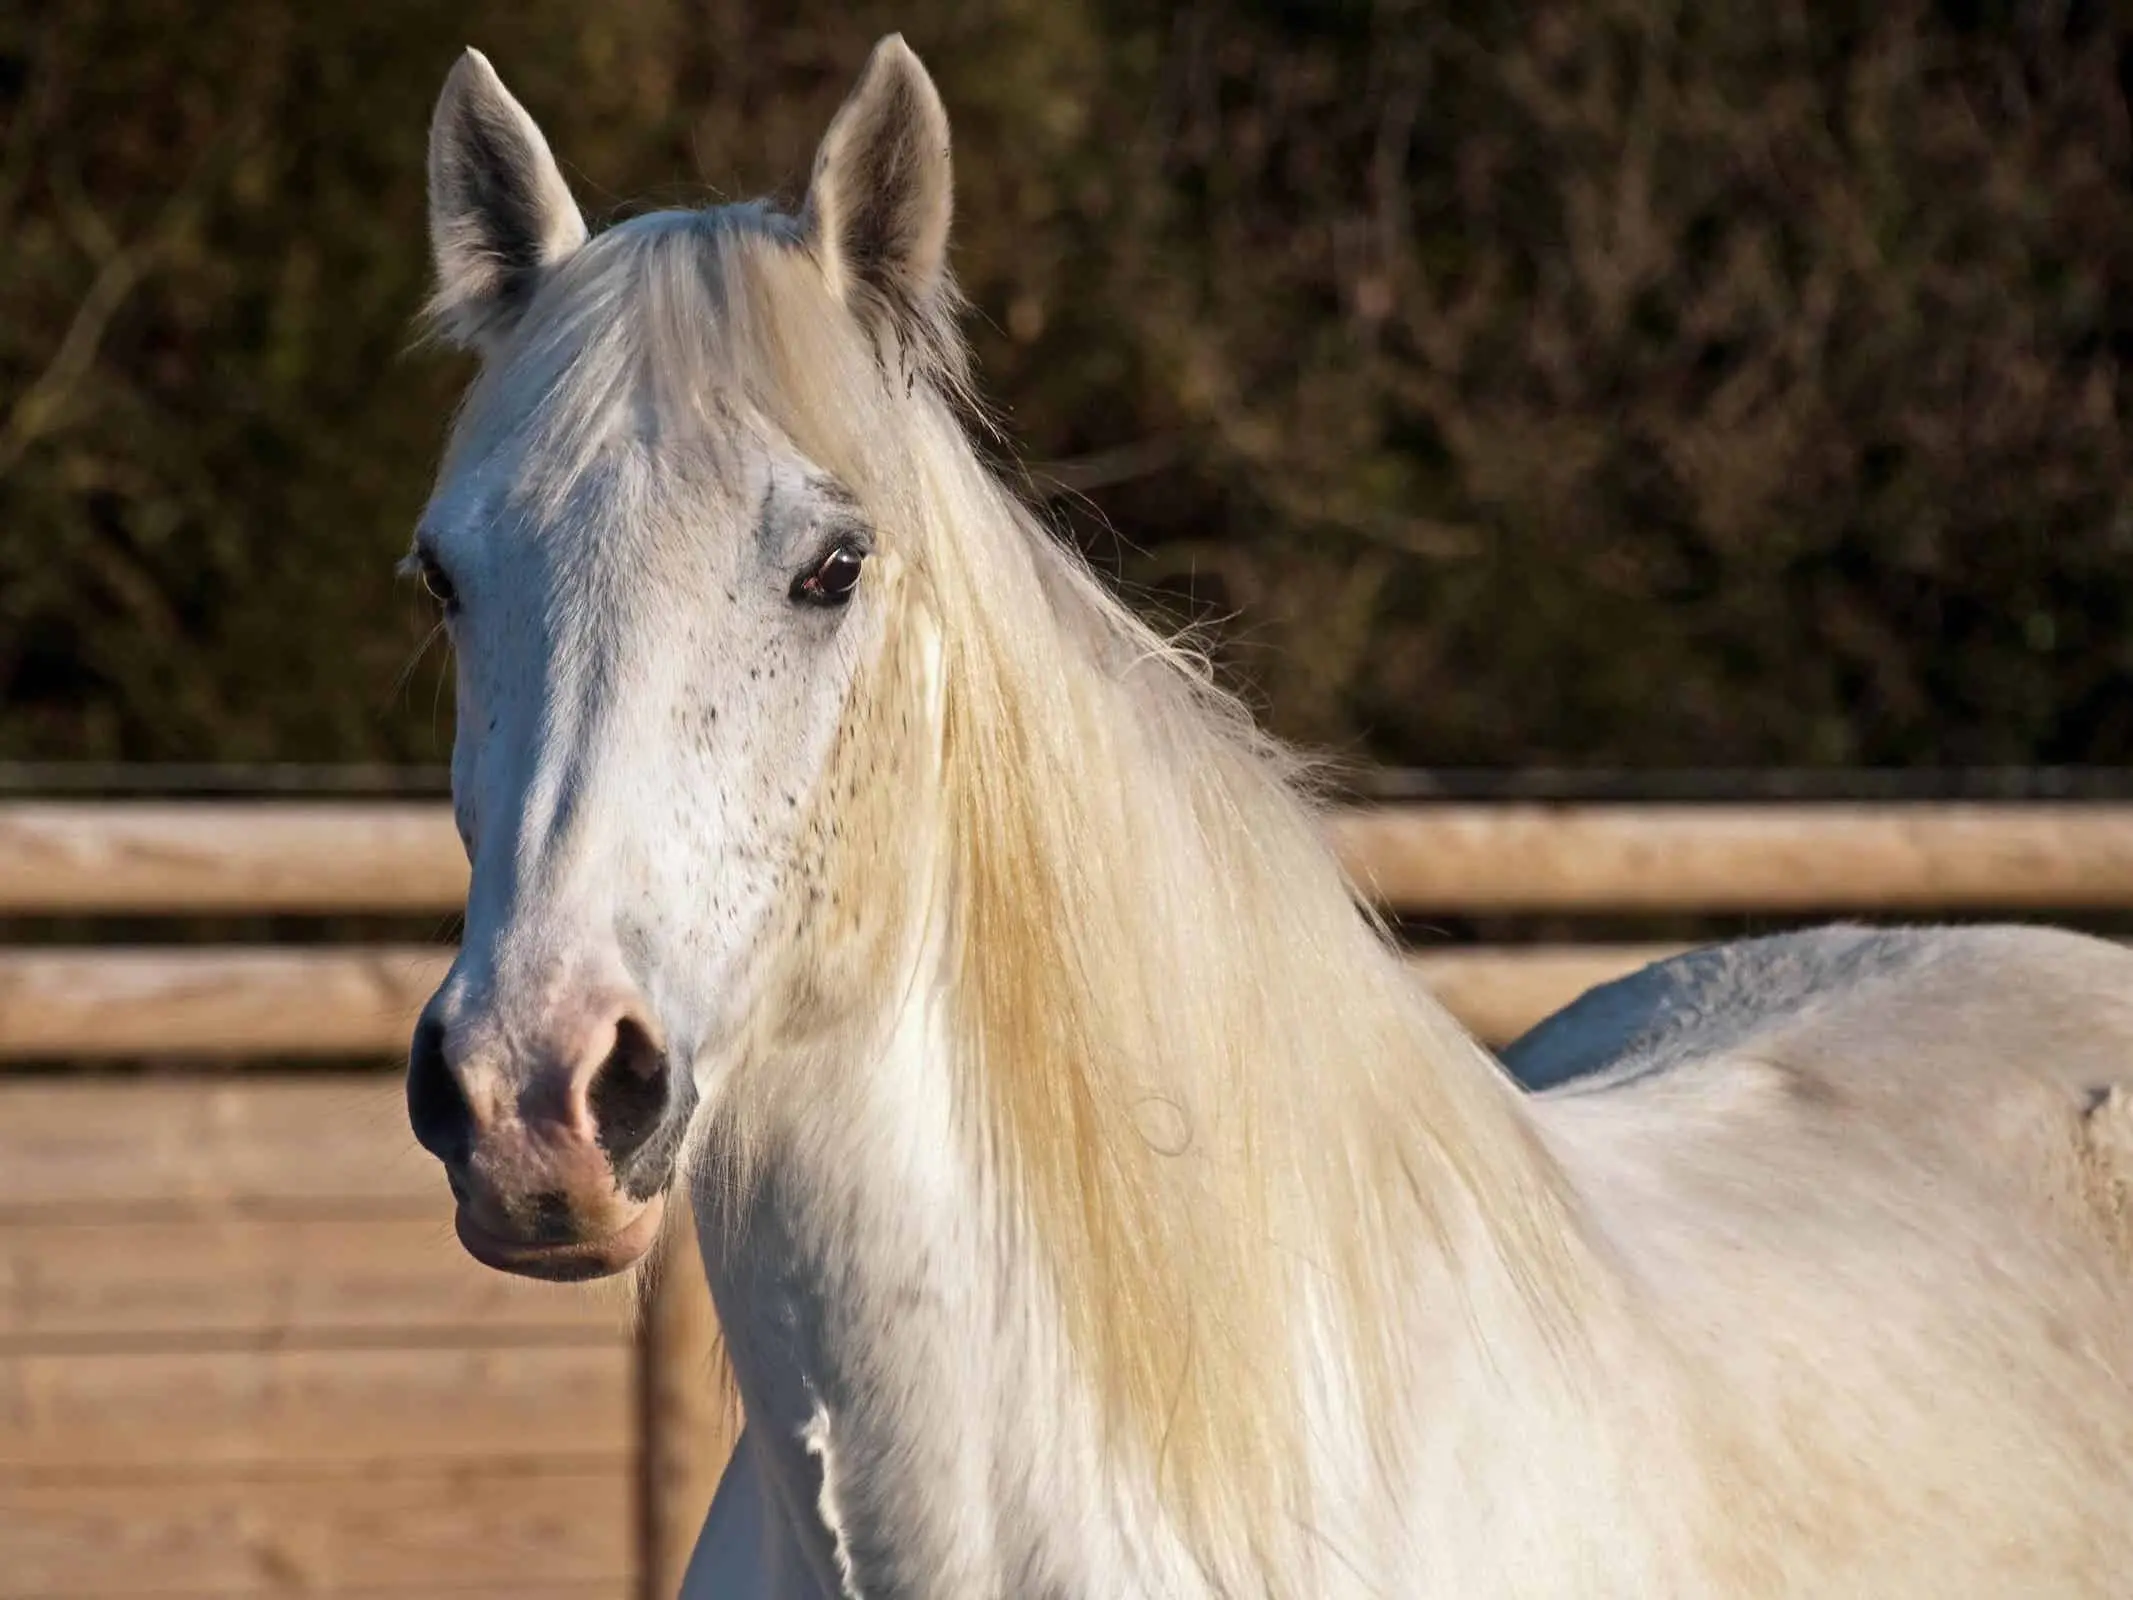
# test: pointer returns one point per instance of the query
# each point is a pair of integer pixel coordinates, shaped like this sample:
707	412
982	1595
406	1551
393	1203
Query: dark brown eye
438	582
831	580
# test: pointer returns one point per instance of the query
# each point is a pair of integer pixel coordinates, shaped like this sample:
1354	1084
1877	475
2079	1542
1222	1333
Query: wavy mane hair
1206	1089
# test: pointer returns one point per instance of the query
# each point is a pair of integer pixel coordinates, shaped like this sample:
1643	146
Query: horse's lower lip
568	1262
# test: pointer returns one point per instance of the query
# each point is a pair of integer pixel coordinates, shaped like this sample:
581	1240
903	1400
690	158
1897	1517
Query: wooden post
689	1415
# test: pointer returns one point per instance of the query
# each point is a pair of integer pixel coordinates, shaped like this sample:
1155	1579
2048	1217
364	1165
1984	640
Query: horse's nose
625	1099
437	1107
599	1077
539	1121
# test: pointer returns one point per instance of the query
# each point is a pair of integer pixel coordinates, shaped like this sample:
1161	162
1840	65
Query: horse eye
830	581
438	582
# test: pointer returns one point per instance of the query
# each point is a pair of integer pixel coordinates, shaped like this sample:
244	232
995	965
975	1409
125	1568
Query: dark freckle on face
753	675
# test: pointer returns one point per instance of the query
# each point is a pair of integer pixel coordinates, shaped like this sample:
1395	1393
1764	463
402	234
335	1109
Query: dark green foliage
1618	382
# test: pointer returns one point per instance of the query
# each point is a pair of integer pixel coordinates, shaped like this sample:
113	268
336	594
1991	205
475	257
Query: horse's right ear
879	203
500	214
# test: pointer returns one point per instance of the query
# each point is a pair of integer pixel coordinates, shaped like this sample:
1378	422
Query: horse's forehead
617	413
684	514
544	466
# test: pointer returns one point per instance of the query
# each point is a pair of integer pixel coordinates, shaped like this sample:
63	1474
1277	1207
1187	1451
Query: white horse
1094	1204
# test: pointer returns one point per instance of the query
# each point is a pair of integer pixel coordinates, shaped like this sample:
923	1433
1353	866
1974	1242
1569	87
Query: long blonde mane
1207	1090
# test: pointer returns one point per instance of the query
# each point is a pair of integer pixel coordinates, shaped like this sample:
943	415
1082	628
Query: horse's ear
882	193
500	214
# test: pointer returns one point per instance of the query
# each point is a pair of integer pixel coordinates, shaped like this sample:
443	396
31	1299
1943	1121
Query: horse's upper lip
570	1260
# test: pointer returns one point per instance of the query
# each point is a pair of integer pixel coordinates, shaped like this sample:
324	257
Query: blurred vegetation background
1627	382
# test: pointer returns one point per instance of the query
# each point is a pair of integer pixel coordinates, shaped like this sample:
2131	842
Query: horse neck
902	1334
920	1412
909	1397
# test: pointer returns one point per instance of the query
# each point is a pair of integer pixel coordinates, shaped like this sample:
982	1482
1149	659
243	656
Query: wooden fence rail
1718	858
362	1001
229	856
402	856
214	1001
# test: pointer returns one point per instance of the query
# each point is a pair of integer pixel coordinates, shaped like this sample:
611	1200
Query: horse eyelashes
440	586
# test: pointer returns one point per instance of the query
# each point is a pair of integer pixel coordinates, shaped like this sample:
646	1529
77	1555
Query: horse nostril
628	1094
436	1106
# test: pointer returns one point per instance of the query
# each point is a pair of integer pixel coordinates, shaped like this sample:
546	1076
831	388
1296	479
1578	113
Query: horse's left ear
500	214
881	197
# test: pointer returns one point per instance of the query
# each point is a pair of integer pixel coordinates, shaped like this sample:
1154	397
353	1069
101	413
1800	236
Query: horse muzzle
559	1254
559	1150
